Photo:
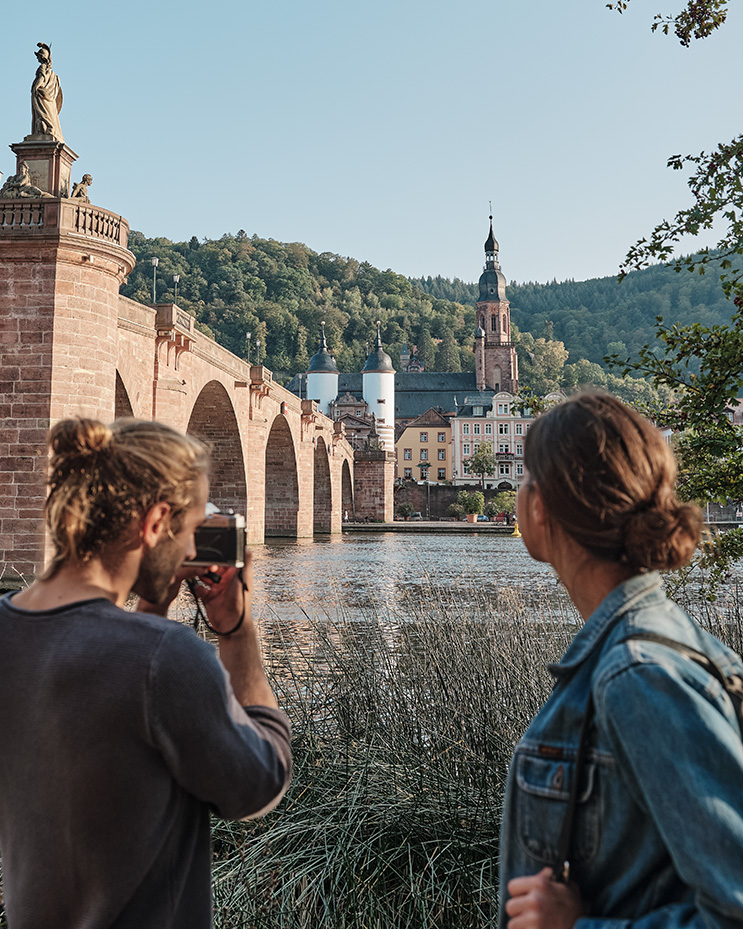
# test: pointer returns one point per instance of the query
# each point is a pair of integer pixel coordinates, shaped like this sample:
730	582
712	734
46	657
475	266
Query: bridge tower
62	262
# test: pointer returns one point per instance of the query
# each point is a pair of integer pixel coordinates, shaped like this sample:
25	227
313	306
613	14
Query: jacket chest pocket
543	792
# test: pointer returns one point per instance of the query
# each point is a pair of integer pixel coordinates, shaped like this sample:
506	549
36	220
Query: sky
383	130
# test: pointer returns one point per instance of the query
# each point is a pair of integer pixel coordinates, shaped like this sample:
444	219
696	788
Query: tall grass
402	736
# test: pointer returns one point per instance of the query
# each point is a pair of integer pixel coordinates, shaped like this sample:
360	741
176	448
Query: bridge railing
52	216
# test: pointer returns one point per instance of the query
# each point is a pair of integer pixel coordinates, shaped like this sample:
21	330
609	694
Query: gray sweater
119	732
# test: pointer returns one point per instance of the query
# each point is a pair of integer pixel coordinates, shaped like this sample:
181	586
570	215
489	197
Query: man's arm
227	599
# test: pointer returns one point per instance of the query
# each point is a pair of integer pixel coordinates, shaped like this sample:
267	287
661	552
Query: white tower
322	376
378	388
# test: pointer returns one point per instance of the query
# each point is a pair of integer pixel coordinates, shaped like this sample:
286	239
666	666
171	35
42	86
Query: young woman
657	828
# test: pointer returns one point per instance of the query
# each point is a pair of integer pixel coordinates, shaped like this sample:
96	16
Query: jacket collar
605	617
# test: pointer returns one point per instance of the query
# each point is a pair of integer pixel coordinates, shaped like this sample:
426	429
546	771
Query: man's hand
221	591
538	902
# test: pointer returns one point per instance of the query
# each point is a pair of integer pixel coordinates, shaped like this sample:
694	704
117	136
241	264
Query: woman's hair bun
663	535
80	438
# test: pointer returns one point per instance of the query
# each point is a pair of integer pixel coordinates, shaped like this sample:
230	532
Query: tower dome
322	376
378	359
492	280
378	388
322	360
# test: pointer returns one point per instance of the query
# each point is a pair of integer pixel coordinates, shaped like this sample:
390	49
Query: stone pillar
49	164
374	482
61	265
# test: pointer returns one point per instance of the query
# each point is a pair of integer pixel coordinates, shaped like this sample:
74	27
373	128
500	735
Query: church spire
491	250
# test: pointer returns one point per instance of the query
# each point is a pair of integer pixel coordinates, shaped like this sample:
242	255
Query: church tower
496	362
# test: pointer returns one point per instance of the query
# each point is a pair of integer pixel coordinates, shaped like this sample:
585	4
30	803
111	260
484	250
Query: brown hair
102	477
606	476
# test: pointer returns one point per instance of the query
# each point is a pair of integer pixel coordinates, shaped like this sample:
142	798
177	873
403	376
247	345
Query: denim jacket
658	835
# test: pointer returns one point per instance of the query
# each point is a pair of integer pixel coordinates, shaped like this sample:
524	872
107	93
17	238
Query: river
364	570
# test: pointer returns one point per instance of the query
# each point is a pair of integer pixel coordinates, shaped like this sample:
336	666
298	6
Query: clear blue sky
381	130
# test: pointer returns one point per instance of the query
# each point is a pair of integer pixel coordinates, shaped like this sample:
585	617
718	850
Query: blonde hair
607	477
102	477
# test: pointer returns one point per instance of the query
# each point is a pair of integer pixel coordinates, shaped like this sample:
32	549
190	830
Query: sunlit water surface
382	570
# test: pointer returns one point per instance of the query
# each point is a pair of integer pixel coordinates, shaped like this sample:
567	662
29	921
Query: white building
486	417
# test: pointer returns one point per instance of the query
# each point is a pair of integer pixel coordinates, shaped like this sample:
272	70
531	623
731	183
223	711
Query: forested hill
280	292
591	317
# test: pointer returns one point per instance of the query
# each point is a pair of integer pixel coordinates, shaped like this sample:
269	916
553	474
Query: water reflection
359	571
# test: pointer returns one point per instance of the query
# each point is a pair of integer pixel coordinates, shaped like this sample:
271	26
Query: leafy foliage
697	20
280	292
473	501
481	463
702	362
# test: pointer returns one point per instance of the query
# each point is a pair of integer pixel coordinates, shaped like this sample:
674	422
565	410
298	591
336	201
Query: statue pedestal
49	164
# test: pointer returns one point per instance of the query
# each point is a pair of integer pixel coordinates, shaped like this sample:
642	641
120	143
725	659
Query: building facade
496	419
424	449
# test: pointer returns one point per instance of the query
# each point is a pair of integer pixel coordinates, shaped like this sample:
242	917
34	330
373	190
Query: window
407	454
520	470
466	429
358	412
408	472
465	449
476	428
442	474
503	409
381	401
493	323
503	447
477	449
502	428
519	449
424	454
504	468
466	469
442	437
477	411
424	437
488	428
518	429
442	454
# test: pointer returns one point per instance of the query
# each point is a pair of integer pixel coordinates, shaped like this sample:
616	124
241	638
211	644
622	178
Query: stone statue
80	191
19	186
46	97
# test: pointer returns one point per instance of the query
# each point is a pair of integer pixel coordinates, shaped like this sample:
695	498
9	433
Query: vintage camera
220	539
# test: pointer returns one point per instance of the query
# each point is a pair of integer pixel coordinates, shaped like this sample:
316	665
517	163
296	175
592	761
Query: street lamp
154	280
257	351
247	343
424	466
176	279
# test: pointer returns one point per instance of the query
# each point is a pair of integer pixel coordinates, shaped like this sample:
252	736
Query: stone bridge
71	345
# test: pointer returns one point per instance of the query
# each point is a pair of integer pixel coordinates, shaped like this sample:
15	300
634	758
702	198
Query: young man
120	731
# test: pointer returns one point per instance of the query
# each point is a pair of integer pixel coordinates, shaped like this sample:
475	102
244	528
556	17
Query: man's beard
156	571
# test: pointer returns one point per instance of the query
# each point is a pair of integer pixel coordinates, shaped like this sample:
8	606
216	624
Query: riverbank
423	525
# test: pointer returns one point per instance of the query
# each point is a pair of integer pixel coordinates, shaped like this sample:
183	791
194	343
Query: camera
220	540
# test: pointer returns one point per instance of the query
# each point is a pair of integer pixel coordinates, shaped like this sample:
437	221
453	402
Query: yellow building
426	442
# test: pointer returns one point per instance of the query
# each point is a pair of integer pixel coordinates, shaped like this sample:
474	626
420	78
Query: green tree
473	501
482	462
447	355
702	364
427	350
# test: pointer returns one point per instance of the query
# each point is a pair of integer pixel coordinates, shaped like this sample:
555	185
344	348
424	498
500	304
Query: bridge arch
122	403
282	484
347	504
213	420
323	490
